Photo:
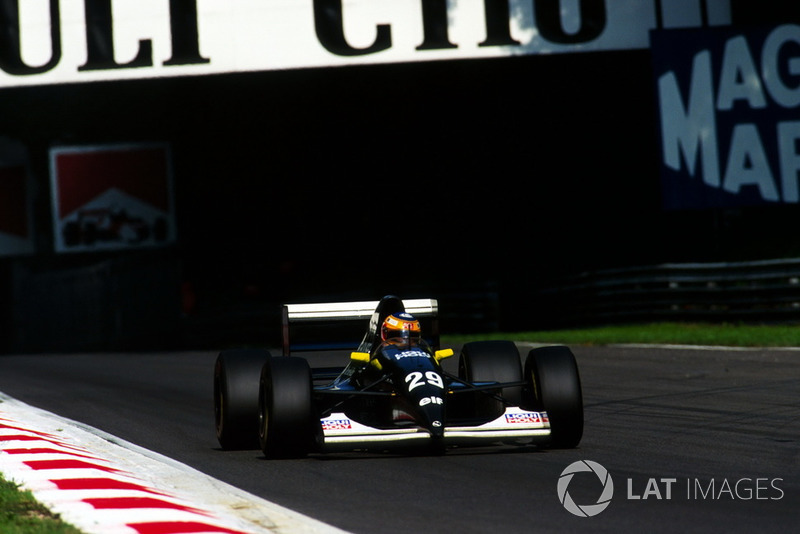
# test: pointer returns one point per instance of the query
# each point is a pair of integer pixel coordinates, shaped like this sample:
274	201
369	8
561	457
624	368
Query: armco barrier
767	290
116	303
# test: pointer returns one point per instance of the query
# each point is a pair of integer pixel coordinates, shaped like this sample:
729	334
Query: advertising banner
729	115
64	41
112	197
16	228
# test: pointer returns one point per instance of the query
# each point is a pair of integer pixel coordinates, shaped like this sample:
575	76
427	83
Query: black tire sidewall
554	386
236	382
492	361
286	420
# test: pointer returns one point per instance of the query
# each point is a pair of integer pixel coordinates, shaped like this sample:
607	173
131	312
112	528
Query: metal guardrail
767	290
114	304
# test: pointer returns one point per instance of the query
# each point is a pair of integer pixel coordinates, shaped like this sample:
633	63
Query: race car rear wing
351	325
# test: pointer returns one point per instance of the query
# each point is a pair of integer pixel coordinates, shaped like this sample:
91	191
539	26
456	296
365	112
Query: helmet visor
398	328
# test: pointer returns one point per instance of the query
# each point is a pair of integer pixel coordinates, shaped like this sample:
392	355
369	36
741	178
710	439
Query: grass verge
20	513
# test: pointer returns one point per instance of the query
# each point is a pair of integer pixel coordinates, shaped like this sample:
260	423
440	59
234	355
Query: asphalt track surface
694	441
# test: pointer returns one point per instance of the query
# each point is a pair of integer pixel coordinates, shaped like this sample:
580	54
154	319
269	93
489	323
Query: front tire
492	361
554	386
236	379
287	424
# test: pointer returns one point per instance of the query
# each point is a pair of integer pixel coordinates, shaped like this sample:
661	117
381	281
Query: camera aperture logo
660	488
585	510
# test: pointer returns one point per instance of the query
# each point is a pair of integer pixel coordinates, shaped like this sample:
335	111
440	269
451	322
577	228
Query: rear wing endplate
350	325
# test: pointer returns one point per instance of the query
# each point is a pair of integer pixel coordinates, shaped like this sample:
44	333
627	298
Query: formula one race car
394	391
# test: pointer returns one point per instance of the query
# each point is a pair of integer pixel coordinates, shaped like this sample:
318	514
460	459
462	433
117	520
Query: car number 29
416	379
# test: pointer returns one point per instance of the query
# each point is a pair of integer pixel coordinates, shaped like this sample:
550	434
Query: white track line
104	485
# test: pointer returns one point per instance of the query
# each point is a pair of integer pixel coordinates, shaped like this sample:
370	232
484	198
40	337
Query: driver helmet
401	326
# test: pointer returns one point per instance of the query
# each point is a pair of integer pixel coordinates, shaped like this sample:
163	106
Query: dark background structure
471	177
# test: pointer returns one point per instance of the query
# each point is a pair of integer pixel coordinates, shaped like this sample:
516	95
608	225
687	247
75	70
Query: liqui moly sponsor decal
729	108
336	424
58	41
525	418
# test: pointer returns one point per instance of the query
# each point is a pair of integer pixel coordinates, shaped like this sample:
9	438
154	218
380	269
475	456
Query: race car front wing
342	433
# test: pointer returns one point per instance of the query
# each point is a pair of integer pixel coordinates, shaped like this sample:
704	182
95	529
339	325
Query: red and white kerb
92	493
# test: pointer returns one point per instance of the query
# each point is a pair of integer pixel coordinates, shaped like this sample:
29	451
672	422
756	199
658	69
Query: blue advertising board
728	105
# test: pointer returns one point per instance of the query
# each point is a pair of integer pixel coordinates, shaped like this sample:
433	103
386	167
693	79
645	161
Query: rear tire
236	378
554	386
287	423
492	361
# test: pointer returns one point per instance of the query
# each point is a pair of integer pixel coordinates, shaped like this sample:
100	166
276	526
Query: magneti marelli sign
729	122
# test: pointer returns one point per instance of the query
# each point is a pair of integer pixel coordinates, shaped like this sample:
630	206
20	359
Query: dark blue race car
394	391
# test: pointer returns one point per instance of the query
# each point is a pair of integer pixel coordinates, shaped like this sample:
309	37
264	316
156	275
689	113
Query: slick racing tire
554	386
236	380
492	361
286	422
